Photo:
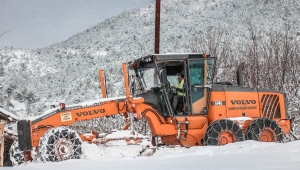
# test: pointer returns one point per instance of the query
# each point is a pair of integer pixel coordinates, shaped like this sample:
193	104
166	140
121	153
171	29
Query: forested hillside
263	34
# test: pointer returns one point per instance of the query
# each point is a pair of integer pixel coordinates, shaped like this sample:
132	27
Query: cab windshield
143	80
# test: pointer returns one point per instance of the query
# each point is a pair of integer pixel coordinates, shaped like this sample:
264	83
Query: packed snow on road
240	155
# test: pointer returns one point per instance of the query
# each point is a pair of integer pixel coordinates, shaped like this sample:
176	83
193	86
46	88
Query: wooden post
2	124
157	27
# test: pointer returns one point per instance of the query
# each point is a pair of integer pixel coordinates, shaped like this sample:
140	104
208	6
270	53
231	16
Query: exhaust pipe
239	75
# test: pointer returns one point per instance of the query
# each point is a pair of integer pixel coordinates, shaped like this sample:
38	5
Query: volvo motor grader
208	114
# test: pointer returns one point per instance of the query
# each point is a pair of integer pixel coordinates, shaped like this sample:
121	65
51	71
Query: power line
135	3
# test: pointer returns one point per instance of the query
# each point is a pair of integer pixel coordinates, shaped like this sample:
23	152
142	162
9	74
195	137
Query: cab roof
178	56
149	60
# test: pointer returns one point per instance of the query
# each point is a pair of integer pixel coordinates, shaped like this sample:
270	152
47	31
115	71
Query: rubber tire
215	128
16	156
254	128
47	141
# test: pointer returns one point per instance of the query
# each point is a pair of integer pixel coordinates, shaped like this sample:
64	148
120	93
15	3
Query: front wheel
264	130
59	144
16	155
222	132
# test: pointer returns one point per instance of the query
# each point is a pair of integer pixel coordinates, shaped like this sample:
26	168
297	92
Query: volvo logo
243	102
92	112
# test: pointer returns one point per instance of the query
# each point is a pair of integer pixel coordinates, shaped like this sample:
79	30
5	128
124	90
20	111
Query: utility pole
157	27
1	66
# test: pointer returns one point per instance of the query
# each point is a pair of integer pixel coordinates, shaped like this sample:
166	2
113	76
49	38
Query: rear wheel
59	144
264	130
222	132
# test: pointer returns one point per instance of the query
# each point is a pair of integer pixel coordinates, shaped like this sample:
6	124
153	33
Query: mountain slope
68	71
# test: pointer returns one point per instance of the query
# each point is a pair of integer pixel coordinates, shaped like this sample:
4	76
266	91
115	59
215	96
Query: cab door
199	82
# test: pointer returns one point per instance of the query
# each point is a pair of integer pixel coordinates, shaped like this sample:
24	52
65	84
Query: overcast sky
39	23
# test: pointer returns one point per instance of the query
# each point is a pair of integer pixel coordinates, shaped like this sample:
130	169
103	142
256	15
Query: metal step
185	131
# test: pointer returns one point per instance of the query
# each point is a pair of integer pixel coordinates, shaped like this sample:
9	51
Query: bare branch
5	32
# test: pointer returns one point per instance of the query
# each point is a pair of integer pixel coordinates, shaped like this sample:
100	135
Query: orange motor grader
208	113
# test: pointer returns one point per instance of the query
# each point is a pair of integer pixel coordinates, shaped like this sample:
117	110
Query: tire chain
16	156
273	125
45	148
237	132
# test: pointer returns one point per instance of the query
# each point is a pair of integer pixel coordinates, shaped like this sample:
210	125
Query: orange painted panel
239	104
217	106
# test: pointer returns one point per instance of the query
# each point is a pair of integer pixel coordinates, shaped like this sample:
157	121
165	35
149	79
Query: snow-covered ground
247	155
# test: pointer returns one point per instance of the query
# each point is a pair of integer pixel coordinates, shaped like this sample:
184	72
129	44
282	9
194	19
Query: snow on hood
240	118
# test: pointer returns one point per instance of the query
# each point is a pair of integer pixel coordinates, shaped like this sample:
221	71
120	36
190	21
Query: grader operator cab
209	113
154	76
